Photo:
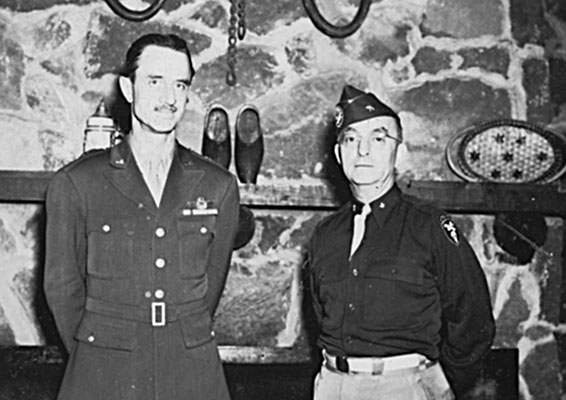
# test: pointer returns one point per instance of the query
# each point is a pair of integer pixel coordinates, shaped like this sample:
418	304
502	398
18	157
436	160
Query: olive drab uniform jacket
133	287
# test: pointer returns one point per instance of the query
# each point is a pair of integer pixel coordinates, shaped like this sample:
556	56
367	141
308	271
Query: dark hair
169	41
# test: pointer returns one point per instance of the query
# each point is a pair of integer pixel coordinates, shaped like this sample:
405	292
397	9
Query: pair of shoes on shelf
216	143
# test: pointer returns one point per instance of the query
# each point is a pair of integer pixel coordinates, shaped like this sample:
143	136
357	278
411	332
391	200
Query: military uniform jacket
132	286
414	285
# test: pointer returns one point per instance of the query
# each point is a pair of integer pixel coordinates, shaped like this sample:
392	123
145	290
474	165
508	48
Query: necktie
359	226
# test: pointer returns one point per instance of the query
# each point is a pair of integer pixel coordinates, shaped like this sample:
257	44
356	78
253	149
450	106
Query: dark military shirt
414	285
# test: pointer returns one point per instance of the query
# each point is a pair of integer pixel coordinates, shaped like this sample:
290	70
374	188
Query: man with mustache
402	303
138	246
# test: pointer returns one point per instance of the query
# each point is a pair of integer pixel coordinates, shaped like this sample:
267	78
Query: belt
377	365
158	313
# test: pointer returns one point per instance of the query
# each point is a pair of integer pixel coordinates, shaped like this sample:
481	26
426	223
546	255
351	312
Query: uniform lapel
127	178
182	180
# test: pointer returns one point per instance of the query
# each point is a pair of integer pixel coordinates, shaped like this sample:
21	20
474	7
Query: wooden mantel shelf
30	186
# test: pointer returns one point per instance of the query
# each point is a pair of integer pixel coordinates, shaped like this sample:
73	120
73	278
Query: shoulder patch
450	229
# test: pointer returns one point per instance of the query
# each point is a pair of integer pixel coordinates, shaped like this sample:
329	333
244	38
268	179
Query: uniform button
355	272
381	205
203	230
160	232
106	228
349	339
90	338
147	295
140	205
351	306
212	333
159	294
160	263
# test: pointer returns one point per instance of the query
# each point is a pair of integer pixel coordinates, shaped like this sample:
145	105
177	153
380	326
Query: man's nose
168	95
364	146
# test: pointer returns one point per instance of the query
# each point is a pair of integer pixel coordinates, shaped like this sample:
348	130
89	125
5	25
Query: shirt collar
121	154
381	207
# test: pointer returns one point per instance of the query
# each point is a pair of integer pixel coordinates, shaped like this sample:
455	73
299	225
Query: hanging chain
241	19
236	30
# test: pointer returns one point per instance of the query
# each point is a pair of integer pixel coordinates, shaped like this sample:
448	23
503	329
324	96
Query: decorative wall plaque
507	151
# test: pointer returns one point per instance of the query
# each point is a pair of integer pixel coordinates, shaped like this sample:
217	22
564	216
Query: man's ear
126	87
337	153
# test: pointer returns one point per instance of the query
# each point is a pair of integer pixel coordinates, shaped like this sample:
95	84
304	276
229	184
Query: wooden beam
458	197
23	186
490	197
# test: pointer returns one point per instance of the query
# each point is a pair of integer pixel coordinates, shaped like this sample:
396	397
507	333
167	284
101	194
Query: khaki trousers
427	384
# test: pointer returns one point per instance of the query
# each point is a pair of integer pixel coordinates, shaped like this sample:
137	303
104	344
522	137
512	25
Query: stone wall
444	64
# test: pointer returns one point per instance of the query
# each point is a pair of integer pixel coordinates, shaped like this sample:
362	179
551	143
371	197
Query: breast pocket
392	295
110	247
196	235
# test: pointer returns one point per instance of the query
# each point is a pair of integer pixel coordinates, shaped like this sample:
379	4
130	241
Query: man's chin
364	179
163	132
164	129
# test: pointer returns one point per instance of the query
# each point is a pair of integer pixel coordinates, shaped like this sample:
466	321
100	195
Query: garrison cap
355	106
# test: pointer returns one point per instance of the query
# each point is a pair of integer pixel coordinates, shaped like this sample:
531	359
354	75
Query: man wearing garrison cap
401	300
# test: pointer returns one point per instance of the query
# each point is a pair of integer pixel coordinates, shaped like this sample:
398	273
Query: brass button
160	263
160	232
147	295
106	228
355	272
203	230
90	338
159	294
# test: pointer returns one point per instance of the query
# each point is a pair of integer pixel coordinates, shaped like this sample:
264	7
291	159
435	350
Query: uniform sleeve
468	327
65	249
221	254
311	279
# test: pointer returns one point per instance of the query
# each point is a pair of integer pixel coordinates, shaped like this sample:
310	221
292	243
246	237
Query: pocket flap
402	273
104	331
201	225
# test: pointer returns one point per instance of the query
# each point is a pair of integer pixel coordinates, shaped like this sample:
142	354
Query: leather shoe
249	144
216	136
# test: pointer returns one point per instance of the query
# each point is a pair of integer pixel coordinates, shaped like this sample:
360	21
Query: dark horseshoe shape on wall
332	30
132	15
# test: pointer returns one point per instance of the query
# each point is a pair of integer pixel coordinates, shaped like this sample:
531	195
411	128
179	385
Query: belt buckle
158	314
342	364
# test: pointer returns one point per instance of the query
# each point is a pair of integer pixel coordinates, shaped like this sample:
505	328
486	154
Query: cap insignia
339	116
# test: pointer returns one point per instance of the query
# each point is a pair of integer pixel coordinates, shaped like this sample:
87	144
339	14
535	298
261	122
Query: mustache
166	107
